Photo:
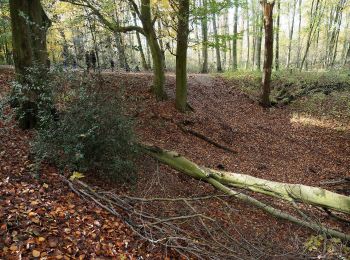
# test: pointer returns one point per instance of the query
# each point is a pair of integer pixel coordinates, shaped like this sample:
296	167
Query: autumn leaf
76	175
36	253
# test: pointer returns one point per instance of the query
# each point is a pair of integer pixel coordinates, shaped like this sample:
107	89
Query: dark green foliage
91	135
32	98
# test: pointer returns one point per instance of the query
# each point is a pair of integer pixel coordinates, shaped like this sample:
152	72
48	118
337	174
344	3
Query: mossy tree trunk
181	55
268	55
157	55
29	27
288	192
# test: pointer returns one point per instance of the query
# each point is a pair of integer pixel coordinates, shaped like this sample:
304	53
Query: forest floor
45	218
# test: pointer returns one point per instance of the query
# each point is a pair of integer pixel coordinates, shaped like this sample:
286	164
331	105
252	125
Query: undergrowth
79	126
320	94
92	135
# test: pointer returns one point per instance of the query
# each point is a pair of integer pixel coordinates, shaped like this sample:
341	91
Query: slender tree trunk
226	42
258	41
142	54
122	60
149	55
161	41
205	37
157	55
248	37
181	55
255	33
315	18
197	42
335	34
291	31
268	26
347	58
277	49
299	36
217	45
234	41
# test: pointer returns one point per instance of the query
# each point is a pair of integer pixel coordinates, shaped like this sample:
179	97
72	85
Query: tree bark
268	55
277	49
291	31
181	55
315	20
29	27
157	55
235	35
205	37
248	36
217	45
299	36
258	43
143	57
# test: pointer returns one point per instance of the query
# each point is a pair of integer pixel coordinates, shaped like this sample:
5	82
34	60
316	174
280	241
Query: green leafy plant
91	135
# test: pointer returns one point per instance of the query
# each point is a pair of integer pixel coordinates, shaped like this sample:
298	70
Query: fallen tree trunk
289	192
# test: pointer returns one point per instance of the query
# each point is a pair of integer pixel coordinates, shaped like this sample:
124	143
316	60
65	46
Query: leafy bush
32	96
90	135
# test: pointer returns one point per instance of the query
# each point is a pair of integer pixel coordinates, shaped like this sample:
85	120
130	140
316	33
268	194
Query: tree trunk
181	55
157	55
299	36
29	27
217	45
205	37
235	34
289	192
315	20
258	43
268	55
291	31
277	49
347	58
143	57
248	37
336	31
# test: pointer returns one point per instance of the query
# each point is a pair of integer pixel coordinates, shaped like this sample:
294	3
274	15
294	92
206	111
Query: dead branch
207	139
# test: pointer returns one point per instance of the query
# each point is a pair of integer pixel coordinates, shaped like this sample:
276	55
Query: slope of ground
269	144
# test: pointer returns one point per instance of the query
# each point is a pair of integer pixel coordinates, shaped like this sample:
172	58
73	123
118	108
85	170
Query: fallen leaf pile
43	218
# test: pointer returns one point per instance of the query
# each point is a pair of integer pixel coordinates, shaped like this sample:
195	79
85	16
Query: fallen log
290	192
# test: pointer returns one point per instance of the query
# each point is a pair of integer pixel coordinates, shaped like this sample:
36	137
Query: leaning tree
147	16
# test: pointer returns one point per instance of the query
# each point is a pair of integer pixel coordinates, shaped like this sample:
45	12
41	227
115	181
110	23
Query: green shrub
91	135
